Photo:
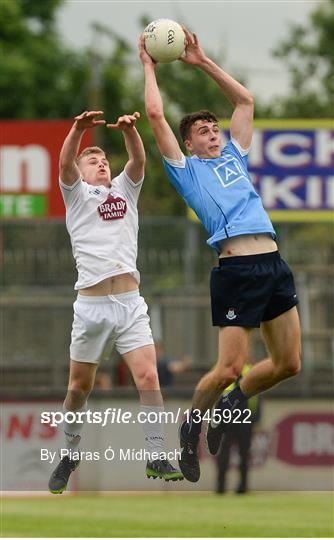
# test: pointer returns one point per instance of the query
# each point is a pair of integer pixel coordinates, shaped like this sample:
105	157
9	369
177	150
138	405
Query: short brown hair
188	120
90	150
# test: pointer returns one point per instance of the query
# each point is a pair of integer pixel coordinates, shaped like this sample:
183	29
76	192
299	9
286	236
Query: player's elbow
245	100
248	100
154	113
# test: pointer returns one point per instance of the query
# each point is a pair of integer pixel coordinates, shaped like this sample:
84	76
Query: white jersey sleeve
131	189
71	194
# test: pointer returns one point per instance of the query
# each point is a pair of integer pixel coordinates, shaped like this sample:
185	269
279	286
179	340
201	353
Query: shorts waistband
122	297
250	259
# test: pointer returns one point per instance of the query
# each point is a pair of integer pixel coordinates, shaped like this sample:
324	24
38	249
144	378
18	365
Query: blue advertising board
291	163
292	167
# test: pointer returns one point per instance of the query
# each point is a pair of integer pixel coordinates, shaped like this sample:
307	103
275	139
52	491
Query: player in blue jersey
251	286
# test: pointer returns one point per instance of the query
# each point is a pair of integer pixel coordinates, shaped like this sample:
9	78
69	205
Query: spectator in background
241	434
168	366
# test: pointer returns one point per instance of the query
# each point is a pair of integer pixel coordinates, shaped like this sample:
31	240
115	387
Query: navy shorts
250	289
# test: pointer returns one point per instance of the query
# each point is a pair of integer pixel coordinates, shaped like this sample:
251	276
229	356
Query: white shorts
106	321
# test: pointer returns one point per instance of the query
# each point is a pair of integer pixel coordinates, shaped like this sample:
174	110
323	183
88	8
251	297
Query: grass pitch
269	514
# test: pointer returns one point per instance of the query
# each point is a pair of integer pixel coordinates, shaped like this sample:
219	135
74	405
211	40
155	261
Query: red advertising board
306	439
29	153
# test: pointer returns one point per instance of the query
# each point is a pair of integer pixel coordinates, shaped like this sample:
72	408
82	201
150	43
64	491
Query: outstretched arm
68	169
241	126
134	145
164	136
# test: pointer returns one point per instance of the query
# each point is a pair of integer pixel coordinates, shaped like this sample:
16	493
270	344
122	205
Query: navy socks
192	429
232	399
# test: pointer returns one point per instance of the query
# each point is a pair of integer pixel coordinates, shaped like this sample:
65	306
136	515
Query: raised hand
125	122
87	120
143	54
193	54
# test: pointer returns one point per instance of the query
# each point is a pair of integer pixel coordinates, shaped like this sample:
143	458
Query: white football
165	40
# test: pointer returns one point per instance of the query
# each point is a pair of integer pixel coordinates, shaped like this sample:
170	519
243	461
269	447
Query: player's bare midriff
247	244
112	285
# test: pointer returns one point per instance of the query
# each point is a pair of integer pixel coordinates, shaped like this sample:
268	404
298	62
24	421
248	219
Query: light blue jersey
220	192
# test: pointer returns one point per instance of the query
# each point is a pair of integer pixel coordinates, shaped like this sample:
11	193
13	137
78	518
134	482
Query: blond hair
90	150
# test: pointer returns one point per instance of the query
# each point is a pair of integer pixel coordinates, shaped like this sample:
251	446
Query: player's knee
226	375
152	379
80	389
291	367
294	366
149	379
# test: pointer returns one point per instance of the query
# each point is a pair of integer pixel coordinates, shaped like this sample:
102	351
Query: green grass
170	515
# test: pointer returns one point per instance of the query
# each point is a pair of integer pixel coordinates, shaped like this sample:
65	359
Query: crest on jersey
112	208
230	171
94	191
230	315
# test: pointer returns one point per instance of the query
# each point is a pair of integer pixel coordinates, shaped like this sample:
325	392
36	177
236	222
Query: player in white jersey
102	220
252	286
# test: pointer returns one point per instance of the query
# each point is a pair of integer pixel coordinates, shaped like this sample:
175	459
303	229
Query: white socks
72	430
151	420
153	428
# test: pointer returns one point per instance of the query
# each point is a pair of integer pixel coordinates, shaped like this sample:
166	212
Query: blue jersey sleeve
179	174
234	148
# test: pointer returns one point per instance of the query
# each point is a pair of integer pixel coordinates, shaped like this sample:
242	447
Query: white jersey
103	226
